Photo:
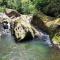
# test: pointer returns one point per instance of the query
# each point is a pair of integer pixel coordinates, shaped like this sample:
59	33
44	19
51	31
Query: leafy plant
23	6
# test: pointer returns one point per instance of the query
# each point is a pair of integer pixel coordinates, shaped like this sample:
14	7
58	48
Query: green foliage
53	8
28	7
40	3
24	6
2	9
49	7
13	4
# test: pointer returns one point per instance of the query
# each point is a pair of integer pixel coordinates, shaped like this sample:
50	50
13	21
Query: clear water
32	50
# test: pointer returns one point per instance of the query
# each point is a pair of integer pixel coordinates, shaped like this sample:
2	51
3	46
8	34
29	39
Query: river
31	50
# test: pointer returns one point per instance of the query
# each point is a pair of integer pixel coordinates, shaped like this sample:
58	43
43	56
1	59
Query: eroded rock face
22	28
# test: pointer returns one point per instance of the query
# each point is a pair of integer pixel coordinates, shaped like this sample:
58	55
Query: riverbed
30	50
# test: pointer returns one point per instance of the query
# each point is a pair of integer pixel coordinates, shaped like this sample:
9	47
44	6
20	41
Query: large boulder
46	23
23	29
49	25
21	26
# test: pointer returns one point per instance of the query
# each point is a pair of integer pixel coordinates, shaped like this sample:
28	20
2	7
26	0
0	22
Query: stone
4	17
12	13
48	24
23	28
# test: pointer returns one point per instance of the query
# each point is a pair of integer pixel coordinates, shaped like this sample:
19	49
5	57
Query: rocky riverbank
25	27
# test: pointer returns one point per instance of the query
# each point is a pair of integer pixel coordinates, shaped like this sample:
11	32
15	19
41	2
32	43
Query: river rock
46	23
49	25
21	26
12	13
56	38
4	17
23	29
25	26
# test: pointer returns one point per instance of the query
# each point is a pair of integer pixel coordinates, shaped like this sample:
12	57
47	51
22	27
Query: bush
53	8
28	7
23	6
12	4
49	7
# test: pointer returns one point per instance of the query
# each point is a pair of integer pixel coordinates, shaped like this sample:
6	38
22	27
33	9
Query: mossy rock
56	39
23	28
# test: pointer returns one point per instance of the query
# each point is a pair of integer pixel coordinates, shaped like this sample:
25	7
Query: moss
56	38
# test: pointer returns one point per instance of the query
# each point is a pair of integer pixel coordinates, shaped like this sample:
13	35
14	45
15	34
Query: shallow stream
31	50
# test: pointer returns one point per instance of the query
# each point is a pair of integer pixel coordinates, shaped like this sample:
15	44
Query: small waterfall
45	38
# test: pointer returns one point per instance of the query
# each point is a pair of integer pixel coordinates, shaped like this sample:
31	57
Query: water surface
32	50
